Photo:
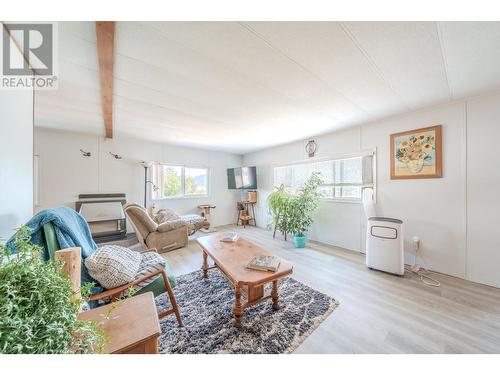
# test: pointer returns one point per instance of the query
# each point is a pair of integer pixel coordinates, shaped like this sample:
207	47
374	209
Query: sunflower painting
416	153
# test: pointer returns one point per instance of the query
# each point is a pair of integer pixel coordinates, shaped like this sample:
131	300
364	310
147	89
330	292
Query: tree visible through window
195	180
174	181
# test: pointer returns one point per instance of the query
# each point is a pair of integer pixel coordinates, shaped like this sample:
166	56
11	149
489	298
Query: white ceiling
242	86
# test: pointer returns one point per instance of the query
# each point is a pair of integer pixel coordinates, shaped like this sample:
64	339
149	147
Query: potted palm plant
300	209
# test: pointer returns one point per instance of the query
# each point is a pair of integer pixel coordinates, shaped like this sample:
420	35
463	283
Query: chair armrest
116	292
152	250
113	293
171	225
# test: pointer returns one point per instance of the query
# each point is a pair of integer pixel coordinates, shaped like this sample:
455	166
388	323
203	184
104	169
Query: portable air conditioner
384	239
384	245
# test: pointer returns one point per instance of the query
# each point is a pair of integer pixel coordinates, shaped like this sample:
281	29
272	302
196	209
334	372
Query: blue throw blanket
71	231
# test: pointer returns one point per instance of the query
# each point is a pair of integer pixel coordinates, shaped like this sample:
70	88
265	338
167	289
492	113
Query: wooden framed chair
160	285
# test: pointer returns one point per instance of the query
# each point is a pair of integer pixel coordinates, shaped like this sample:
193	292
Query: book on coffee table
264	263
230	237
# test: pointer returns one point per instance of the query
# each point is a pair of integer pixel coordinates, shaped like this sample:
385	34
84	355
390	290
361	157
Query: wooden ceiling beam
105	32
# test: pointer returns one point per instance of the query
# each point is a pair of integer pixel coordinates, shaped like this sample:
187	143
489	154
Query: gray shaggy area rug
206	309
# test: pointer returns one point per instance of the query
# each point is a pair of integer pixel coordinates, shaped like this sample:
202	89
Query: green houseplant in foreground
37	311
301	208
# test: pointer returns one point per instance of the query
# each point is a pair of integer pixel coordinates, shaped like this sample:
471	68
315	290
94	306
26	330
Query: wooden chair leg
238	217
173	301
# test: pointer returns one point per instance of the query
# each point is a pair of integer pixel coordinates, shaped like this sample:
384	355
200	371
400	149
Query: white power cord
420	271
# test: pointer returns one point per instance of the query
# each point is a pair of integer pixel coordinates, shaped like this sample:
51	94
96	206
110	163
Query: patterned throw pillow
164	215
113	265
150	262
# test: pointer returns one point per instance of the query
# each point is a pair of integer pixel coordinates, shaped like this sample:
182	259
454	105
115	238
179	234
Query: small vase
416	165
300	241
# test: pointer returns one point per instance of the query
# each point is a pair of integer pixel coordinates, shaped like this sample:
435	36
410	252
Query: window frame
183	183
368	152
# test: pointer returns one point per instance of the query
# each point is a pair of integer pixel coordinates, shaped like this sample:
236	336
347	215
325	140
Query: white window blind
343	179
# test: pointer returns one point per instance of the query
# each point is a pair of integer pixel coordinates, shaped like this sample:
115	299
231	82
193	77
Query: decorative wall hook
87	154
116	156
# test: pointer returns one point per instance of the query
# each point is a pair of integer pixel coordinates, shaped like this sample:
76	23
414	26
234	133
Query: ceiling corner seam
443	57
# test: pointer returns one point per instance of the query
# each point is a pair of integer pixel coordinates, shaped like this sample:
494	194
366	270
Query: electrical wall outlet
416	243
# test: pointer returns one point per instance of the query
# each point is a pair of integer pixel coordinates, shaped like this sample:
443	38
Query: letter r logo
29	45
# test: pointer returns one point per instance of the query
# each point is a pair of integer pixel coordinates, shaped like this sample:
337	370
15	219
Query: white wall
483	189
16	159
65	173
454	216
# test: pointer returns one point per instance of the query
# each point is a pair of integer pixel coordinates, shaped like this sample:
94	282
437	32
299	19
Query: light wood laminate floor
378	312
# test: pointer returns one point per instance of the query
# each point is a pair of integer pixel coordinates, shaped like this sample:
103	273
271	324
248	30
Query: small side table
206	212
133	328
244	216
206	209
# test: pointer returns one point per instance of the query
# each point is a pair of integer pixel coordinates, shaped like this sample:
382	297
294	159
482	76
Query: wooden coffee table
232	258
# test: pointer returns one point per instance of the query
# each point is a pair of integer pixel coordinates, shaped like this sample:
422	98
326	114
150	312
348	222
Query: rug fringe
298	341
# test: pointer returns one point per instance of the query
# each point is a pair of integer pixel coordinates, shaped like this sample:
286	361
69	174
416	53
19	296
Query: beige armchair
167	236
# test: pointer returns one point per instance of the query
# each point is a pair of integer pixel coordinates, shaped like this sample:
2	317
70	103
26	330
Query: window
176	181
195	181
343	179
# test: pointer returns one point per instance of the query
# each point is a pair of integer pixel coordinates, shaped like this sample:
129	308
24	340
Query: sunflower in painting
415	150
